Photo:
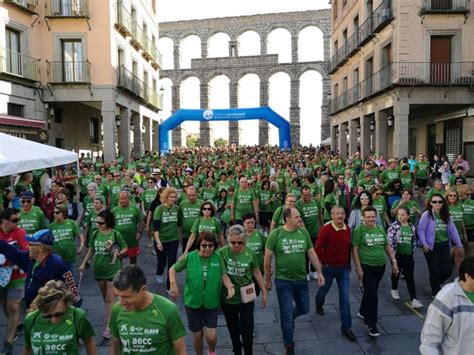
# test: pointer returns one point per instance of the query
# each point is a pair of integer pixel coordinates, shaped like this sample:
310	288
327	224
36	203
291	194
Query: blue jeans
287	292
341	274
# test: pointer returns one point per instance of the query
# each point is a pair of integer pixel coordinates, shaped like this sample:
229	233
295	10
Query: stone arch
275	38
310	44
311	100
249	97
279	97
218	45
245	45
166	45
189	48
320	68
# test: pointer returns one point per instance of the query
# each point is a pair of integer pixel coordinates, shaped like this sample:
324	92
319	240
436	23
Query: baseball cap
156	171
27	194
43	236
189	170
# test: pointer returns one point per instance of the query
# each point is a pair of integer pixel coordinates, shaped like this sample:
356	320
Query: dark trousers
406	265
167	257
309	265
239	319
370	300
440	265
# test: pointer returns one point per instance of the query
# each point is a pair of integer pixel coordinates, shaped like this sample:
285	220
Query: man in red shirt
333	247
12	279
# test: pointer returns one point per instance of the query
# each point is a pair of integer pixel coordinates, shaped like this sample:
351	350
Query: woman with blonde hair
54	326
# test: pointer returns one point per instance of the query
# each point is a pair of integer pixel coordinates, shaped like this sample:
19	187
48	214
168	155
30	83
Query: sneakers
212	352
313	275
360	316
7	349
349	335
20	329
308	277
107	334
361	289
290	350
416	304
159	279
395	294
373	332
320	310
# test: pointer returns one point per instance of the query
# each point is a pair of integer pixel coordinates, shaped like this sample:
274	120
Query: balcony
445	7
123	22
134	85
137	36
156	58
382	16
406	74
68	9
69	72
30	6
19	65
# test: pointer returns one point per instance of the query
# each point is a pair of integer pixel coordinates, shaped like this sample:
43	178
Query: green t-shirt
188	213
243	202
441	234
290	250
45	337
126	222
404	245
277	217
151	330
104	267
168	218
239	268
332	200
469	295
407	181
114	191
381	207
32	221
371	242
388	175
456	212
88	204
410	204
310	215
265	204
209	195
84	181
147	198
421	169
65	235
91	223
203	224
468	213
256	242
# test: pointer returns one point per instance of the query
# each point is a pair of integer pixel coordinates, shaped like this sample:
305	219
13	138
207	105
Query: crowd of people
240	221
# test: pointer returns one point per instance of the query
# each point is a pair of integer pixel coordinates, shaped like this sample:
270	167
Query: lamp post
390	120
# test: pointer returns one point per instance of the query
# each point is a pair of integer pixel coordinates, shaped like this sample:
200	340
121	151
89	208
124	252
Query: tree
192	142
221	142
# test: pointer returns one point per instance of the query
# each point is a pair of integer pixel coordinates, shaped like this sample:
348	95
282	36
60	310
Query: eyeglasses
452	195
56	212
237	242
439	202
151	182
55	315
99	223
378	193
15	220
116	175
207	246
25	201
207	209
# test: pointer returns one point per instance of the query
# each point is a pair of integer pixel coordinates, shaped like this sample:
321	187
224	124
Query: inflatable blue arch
258	113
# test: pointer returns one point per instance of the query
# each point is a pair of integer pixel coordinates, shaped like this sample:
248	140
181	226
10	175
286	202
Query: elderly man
129	221
244	201
290	244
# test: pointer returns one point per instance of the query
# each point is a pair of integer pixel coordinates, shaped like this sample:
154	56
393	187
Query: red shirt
333	245
16	238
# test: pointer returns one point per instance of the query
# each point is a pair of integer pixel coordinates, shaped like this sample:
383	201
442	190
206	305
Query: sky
279	100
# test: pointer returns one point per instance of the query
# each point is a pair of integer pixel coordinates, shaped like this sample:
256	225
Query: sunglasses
207	209
55	315
236	242
439	202
378	193
364	198
452	196
99	223
15	220
56	212
207	246
25	201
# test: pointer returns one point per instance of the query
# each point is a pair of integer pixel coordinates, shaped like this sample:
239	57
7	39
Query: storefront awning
22	121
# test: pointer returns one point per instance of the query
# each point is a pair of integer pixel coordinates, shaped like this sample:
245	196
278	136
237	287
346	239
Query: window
13	51
94	130
453	139
386	65
440	59
59	143
355	84
73	68
58	115
16	110
369	70
120	57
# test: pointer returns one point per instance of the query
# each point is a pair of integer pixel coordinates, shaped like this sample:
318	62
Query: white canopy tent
18	155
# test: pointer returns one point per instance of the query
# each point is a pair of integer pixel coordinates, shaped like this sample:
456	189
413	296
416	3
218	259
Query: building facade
85	71
402	77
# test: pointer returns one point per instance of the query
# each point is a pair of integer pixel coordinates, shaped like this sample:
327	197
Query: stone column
342	143
381	133
401	112
364	136
124	133
148	129
234	103
176	134
155	140
325	108
176	56
295	112
263	44
333	138
294	49
233	49
203	50
137	134
353	124
204	127
108	120
262	124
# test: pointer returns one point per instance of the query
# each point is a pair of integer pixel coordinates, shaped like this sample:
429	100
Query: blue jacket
427	231
51	268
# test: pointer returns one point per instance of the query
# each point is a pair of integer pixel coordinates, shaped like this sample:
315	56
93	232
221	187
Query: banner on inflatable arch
239	114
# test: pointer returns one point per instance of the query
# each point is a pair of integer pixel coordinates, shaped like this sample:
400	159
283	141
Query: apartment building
81	74
402	77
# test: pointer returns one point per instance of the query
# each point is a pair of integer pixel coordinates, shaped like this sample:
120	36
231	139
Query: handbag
247	293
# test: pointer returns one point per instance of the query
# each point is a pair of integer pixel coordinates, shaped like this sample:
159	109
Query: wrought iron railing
382	15
30	5
406	73
445	6
68	8
18	64
124	19
132	83
72	72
